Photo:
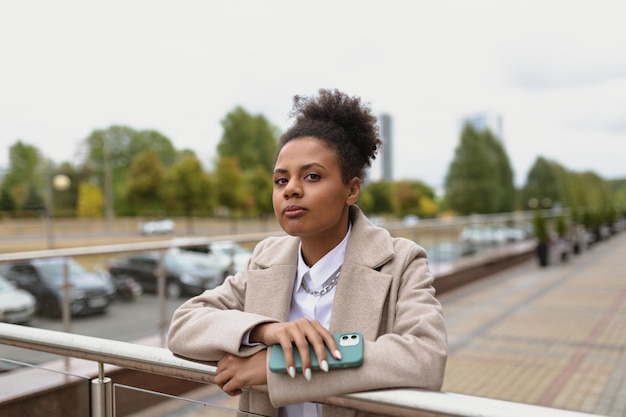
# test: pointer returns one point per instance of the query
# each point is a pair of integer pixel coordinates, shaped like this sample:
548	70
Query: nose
293	189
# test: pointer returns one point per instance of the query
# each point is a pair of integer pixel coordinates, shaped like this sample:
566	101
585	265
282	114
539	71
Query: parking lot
124	321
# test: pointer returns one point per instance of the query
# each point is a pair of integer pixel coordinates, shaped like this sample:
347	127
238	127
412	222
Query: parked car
157	227
123	287
44	279
231	253
227	256
16	305
187	273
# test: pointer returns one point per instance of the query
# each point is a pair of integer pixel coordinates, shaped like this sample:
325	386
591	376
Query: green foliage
380	194
143	184
25	166
33	201
90	201
148	175
229	182
251	139
561	226
540	227
7	203
550	184
480	178
542	187
187	188
259	189
407	199
413	197
115	148
505	178
26	170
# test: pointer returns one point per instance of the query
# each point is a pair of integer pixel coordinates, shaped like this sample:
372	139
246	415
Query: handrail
132	247
395	402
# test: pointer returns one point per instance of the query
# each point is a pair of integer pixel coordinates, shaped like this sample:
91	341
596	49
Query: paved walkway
552	336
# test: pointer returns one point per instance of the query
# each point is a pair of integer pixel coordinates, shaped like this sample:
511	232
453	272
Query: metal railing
155	360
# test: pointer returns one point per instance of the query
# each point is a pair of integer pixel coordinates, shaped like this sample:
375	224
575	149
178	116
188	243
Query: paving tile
551	336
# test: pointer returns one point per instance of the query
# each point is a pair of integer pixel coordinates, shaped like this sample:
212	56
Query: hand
234	373
302	333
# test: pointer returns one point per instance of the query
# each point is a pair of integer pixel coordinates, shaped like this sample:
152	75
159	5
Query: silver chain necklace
328	285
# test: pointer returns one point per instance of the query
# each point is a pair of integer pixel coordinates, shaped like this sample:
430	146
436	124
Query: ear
354	190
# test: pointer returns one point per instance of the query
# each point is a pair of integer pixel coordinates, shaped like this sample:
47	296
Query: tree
114	149
380	194
186	187
542	188
229	182
33	201
144	182
505	177
7	204
414	197
407	199
252	139
90	201
479	179
259	187
25	165
26	169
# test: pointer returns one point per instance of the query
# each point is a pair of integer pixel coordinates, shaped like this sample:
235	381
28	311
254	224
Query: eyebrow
302	168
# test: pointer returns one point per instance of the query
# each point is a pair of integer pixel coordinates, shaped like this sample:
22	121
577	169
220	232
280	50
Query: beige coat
394	307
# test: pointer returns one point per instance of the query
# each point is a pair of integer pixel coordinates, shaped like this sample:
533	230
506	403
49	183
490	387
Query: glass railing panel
206	401
38	388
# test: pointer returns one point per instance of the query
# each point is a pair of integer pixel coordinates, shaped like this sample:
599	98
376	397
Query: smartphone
350	345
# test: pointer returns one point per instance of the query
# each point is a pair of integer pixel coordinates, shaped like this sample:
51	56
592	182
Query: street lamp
59	182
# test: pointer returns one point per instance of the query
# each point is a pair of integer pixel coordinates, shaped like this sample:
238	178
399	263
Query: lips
293	211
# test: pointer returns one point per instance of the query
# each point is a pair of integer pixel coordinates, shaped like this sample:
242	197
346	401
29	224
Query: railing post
66	312
161	290
102	395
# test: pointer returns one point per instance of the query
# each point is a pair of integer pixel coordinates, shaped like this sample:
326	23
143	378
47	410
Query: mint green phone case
350	345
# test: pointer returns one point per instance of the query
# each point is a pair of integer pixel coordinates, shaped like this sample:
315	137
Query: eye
313	177
280	181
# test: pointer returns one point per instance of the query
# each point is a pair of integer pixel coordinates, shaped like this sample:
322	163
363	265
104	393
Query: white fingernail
307	374
338	354
292	371
324	366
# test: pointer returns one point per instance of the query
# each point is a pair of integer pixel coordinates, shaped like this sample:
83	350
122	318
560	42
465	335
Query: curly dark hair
344	123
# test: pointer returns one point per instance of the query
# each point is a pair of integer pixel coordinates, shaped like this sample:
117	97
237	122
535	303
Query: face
310	198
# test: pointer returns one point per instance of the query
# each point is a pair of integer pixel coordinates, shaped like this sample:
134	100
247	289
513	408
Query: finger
221	378
305	357
232	389
329	341
290	366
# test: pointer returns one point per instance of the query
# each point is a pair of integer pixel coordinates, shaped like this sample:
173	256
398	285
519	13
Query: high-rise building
387	149
485	121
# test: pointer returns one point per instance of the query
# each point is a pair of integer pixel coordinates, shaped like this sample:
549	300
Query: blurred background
134	122
152	110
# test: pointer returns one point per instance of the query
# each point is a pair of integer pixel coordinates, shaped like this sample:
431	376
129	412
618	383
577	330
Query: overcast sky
554	70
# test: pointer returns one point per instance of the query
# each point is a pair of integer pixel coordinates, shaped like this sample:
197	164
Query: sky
555	71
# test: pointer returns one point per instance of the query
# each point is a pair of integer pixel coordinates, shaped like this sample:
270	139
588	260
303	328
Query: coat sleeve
213	323
409	352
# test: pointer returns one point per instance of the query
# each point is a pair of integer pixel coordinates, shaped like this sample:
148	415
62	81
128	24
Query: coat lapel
359	302
269	291
361	293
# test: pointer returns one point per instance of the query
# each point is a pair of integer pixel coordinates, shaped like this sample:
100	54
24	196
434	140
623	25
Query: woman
334	272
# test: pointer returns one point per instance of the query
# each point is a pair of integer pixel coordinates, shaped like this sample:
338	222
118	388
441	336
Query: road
123	321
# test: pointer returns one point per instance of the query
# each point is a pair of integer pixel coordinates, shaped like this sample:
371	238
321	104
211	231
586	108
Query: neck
316	247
